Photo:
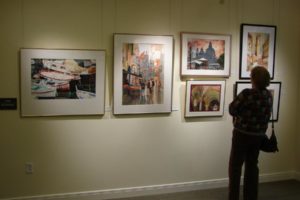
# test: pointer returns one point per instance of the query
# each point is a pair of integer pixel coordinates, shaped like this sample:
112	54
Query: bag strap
272	118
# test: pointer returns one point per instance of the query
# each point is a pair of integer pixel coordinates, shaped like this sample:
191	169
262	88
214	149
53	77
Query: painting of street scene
204	98
205	54
63	78
258	50
142	72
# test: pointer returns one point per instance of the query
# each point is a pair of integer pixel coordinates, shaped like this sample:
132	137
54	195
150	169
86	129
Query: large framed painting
204	98
143	66
62	82
206	55
274	87
257	48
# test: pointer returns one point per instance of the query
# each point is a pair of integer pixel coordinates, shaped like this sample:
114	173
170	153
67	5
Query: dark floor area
282	190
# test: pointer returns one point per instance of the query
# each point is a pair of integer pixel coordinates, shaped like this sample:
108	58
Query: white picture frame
205	55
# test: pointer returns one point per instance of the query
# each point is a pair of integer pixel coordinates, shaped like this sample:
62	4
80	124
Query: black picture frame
274	85
257	47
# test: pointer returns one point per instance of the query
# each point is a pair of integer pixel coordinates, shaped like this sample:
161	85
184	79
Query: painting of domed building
205	54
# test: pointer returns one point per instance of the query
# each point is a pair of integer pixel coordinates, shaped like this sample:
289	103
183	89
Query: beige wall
288	55
72	154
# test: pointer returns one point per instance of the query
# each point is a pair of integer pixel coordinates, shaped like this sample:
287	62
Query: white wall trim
281	176
154	189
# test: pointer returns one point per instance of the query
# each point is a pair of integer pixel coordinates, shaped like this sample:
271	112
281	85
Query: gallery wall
97	153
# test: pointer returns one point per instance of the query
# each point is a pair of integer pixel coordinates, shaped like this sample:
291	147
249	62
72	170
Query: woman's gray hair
260	77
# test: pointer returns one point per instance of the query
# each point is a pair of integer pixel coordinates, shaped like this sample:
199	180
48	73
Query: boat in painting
59	78
81	94
43	90
54	75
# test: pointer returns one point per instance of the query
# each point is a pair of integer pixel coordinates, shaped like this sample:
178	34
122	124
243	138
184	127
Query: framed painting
205	54
274	87
257	48
143	67
62	82
204	98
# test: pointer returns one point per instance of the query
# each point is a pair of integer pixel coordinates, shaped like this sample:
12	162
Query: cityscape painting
143	69
143	76
205	55
62	82
204	98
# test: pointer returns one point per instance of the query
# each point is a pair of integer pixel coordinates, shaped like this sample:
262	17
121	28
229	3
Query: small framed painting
143	67
257	48
274	87
62	82
206	55
204	98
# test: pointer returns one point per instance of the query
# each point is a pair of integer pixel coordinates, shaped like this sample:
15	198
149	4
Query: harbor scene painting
143	77
61	82
63	78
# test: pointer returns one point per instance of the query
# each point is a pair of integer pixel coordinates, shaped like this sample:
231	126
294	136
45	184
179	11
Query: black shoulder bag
270	144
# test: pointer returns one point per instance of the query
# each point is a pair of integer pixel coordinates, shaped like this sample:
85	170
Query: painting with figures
142	73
